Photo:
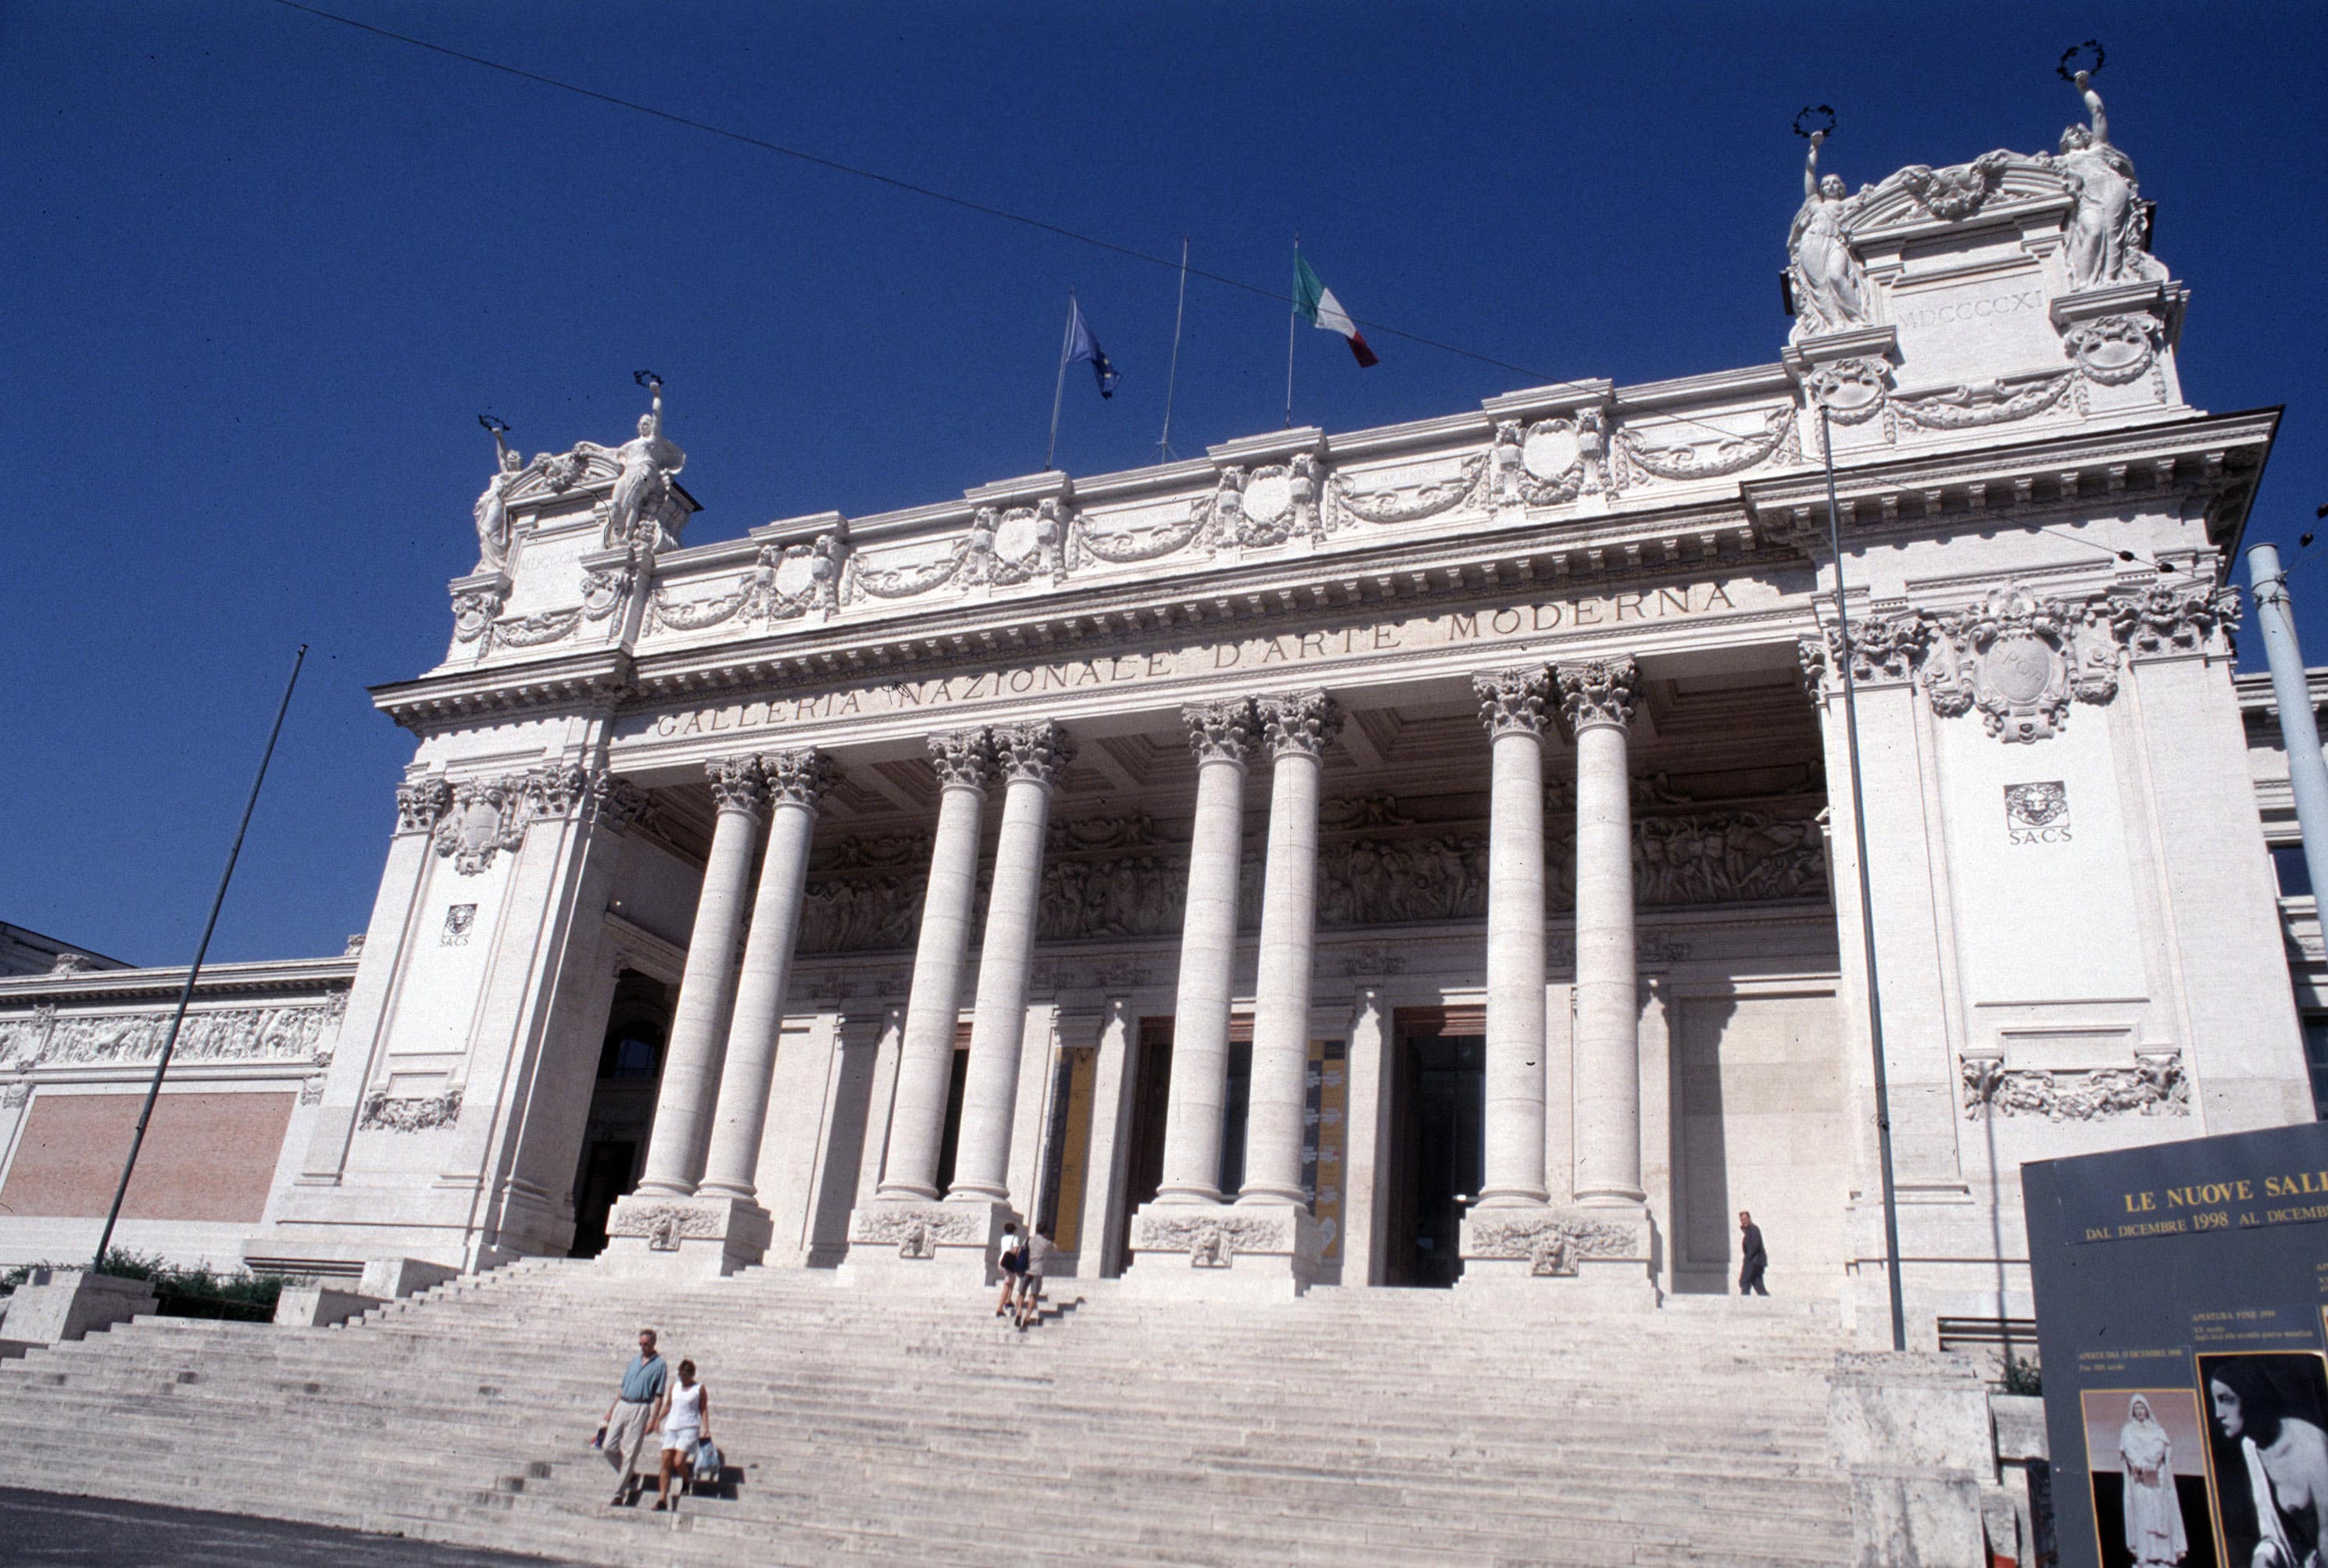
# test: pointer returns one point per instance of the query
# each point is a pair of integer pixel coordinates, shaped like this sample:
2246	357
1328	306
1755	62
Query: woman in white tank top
686	1419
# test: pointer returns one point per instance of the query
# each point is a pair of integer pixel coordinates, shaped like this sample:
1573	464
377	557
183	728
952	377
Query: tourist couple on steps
1023	1258
650	1405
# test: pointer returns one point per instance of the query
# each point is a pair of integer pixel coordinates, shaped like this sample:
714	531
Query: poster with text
2183	1326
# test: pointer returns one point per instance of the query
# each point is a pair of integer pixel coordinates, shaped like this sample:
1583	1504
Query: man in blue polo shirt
629	1419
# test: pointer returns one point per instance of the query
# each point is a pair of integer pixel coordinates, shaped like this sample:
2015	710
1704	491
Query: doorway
1152	1079
1438	1109
622	1105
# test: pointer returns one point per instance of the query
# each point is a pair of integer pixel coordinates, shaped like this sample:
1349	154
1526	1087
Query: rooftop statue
492	506
645	468
2104	240
1830	285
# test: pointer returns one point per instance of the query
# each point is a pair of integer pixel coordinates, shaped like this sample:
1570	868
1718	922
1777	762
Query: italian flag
1315	303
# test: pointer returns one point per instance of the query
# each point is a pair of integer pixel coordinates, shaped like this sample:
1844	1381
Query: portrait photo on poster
2268	1434
2147	1462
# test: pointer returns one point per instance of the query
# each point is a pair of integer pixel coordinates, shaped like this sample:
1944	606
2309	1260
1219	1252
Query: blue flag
1082	345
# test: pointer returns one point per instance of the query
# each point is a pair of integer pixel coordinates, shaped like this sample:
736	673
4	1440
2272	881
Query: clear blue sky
265	270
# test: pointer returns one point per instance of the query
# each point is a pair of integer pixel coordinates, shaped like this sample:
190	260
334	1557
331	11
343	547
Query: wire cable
1550	383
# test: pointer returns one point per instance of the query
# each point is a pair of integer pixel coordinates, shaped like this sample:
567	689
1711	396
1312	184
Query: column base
1602	1256
949	1247
1260	1251
652	1234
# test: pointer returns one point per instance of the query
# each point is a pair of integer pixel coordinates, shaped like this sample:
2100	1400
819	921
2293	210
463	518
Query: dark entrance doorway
1152	1096
1438	1106
622	1106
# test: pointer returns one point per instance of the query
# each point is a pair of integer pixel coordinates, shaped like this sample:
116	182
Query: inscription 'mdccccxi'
1251	653
1960	312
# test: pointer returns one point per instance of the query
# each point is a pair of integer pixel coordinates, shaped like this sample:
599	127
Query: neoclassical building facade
1414	856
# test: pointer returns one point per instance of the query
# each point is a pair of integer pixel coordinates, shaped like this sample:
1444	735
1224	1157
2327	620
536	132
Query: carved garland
2154	1086
1554	1246
1734	456
1410	503
384	1113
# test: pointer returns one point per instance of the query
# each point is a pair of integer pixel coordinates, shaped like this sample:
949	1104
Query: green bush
2022	1376
184	1293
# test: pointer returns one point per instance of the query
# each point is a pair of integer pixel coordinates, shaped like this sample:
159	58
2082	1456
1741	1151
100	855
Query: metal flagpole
1164	442
185	996
1292	316
1066	341
1866	904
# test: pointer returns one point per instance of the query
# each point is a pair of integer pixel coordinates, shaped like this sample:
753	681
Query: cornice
296	974
596	679
1937	493
2260	704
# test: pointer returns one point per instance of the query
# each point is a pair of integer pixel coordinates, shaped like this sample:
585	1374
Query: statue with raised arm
645	468
1831	290
2104	242
492	506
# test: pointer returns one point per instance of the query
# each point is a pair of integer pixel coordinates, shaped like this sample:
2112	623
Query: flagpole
1164	442
1292	316
195	969
1066	341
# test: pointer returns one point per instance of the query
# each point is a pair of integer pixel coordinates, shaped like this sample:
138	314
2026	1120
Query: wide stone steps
1352	1426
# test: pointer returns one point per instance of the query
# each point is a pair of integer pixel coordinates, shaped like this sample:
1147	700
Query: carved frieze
1212	1237
662	1225
384	1113
2154	1086
1554	1244
296	1032
1127	543
538	630
917	1229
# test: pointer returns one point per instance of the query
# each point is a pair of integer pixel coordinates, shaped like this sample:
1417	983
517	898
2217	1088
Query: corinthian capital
1035	751
1600	692
1300	722
419	804
737	785
798	778
965	759
1222	731
1515	700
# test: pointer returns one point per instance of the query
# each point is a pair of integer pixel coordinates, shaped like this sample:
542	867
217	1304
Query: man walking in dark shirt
1753	1260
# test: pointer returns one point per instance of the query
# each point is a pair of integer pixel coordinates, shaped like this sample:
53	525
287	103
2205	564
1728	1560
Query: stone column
1513	704
1596	703
796	780
1222	733
1298	728
1030	757
964	763
691	1069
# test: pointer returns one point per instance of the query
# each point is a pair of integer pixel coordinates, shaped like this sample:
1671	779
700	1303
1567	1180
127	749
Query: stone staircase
1359	1426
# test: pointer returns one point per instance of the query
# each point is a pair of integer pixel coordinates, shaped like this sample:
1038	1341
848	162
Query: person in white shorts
686	1421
